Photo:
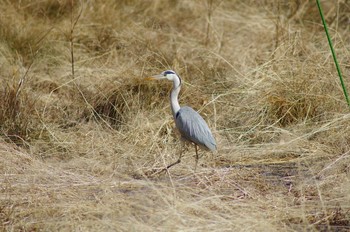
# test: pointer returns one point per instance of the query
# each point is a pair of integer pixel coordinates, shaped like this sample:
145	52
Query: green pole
333	53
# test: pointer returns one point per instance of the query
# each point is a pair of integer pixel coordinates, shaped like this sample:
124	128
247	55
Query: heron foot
166	168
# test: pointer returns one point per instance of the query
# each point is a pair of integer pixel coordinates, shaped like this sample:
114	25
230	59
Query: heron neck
174	102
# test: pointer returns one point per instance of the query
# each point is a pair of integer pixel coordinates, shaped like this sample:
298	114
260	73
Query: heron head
168	74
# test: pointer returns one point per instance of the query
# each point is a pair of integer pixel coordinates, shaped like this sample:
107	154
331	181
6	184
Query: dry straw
77	144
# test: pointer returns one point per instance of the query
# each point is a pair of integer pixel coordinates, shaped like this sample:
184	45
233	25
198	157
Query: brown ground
82	131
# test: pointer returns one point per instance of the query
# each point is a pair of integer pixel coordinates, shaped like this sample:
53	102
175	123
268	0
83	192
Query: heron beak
155	77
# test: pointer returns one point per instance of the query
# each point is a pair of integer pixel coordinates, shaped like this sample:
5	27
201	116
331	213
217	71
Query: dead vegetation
81	131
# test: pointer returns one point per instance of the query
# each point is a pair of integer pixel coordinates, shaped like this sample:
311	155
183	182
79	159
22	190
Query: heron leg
176	162
197	156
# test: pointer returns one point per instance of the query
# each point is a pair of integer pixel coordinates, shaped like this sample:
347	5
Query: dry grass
78	149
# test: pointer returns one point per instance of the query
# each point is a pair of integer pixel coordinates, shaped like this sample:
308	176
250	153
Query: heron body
190	124
192	127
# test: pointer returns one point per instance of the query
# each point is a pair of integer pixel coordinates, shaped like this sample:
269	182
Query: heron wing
193	128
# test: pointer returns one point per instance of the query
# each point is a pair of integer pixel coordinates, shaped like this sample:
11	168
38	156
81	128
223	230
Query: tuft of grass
16	113
113	103
297	100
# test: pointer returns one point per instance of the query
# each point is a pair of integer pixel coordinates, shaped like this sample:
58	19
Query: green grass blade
333	53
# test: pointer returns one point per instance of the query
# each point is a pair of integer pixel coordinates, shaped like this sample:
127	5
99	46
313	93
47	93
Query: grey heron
189	123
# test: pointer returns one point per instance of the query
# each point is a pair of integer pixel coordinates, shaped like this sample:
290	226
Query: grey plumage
193	128
190	124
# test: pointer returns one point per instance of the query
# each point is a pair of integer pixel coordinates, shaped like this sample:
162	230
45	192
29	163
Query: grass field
82	133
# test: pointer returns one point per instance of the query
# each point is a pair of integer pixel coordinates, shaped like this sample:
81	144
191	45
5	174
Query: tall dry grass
82	132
